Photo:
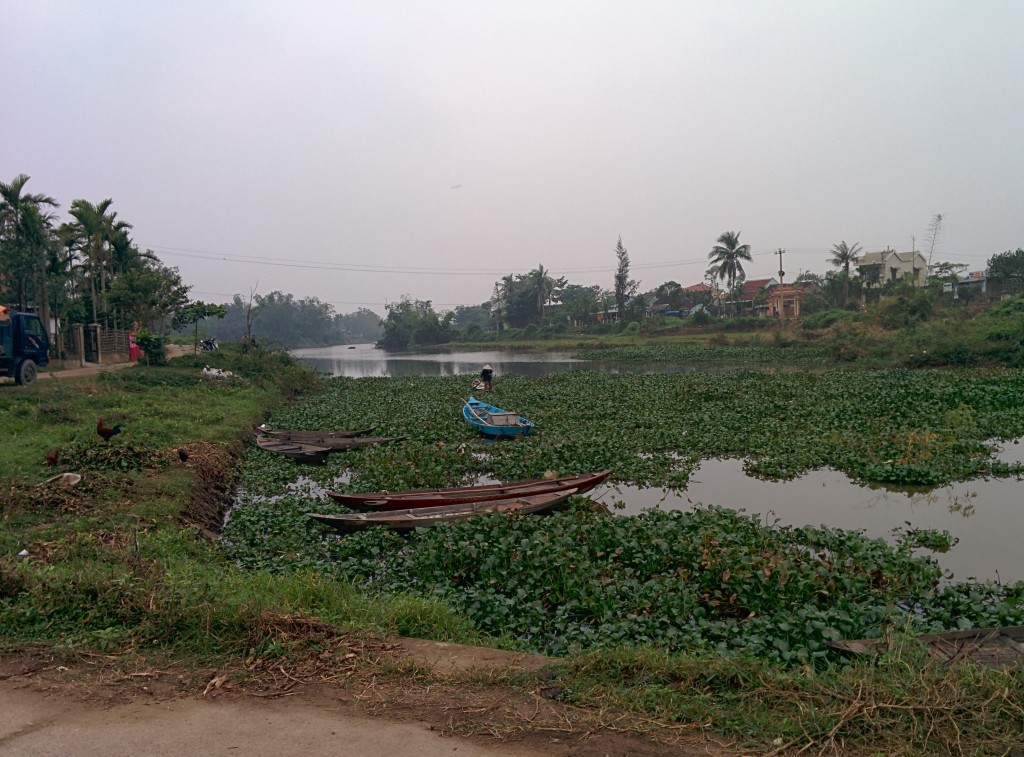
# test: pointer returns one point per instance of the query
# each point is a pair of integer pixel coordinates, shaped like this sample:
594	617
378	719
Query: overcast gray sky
359	151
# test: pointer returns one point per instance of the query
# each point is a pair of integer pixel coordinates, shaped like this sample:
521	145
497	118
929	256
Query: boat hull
283	445
427	517
304	453
493	421
312	437
381	501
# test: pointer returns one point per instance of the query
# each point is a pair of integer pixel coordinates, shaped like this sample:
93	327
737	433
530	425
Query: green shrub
153	344
700	318
906	307
826	318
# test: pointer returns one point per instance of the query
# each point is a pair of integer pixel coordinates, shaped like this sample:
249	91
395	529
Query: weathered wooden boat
311	437
425	517
380	501
304	453
493	421
997	647
339	444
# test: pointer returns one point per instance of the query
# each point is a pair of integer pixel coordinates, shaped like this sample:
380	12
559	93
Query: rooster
106	432
182	455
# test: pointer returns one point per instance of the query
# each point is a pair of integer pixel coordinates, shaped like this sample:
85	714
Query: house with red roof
753	297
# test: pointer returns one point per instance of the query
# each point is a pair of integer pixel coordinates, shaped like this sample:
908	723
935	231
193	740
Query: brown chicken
105	431
51	458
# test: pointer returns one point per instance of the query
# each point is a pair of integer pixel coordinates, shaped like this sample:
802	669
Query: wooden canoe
340	444
352	442
425	517
305	453
380	501
997	647
493	421
312	437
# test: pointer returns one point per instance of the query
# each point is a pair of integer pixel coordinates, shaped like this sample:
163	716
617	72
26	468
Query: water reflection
986	514
364	360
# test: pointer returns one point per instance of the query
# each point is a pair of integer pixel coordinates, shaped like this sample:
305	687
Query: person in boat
486	376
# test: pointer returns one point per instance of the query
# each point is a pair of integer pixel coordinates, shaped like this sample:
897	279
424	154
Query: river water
986	515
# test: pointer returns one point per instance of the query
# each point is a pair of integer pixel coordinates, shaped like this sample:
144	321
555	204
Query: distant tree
503	290
413	323
149	293
581	303
670	293
843	256
196	311
26	234
95	226
624	286
521	303
727	256
251	309
543	286
465	316
931	237
363	324
948	273
1007	268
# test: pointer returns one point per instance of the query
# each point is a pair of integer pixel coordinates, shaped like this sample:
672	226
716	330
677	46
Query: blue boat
493	421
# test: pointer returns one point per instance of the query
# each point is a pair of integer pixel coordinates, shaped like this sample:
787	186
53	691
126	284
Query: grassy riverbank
118	565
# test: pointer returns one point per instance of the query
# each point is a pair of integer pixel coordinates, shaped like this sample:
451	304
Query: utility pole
782	273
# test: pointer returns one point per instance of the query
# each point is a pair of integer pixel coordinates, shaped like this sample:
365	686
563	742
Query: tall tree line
86	269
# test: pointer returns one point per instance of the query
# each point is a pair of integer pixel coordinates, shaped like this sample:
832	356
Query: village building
879	268
786	300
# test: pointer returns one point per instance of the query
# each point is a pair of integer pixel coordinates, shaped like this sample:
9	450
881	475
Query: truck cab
24	345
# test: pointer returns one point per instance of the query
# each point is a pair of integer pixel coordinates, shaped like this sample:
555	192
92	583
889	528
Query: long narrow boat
341	443
493	421
311	437
304	453
424	517
997	647
352	442
380	501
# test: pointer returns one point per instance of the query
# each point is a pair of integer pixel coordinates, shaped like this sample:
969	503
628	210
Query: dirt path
52	705
51	723
92	369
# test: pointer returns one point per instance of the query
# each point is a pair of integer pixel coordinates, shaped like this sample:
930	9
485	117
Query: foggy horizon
361	152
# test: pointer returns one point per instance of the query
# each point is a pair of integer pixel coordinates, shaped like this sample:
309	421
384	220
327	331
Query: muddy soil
97	704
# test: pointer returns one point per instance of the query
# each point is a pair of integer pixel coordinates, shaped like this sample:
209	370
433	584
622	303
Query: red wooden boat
424	517
382	501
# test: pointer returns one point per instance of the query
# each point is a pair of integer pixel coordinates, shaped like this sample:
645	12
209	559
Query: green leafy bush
826	319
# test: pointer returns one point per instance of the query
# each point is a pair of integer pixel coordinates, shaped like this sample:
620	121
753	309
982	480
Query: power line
461	271
428	270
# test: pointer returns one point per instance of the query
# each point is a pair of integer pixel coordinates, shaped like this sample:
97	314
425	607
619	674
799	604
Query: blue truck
24	345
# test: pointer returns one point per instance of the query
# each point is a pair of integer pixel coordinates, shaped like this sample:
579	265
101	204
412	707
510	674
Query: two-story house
878	268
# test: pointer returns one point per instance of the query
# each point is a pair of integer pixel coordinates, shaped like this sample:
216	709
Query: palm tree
499	299
27	231
97	227
844	256
544	287
726	255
